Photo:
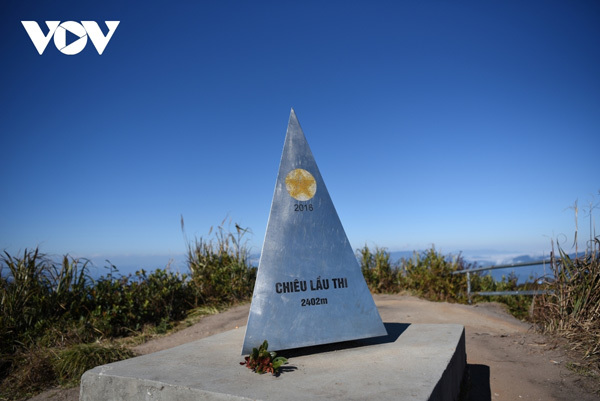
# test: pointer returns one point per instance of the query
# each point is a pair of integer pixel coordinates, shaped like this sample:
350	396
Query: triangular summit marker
309	287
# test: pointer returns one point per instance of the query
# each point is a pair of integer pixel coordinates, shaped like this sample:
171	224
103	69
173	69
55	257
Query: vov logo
59	31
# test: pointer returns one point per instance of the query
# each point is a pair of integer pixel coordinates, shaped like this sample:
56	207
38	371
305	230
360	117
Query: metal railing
508	266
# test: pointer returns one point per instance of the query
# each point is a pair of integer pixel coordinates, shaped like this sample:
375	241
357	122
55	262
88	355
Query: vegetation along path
506	359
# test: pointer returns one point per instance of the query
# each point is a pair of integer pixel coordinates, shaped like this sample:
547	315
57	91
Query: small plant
262	361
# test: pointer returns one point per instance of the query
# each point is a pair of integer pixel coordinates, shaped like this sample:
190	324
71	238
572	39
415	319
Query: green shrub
377	269
428	274
121	305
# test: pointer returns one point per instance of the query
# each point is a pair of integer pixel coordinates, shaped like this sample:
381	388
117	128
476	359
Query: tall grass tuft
220	267
24	295
572	309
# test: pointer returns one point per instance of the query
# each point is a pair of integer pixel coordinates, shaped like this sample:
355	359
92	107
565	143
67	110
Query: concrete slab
413	362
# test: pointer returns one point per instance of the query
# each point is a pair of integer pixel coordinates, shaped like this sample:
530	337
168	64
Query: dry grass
573	309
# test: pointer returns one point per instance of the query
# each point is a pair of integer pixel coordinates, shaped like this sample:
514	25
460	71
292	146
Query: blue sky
471	125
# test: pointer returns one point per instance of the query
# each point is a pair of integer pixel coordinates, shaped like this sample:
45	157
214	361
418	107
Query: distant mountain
129	264
525	259
399	255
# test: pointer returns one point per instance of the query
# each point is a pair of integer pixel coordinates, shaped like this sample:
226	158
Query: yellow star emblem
300	184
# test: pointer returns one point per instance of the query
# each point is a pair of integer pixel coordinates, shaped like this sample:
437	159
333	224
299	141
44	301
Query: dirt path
507	361
518	363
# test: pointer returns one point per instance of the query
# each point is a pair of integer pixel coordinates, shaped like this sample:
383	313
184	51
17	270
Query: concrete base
413	362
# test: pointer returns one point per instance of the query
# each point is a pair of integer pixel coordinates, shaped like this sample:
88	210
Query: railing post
469	287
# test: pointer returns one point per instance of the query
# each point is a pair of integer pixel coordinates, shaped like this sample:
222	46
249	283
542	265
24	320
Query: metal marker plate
309	287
